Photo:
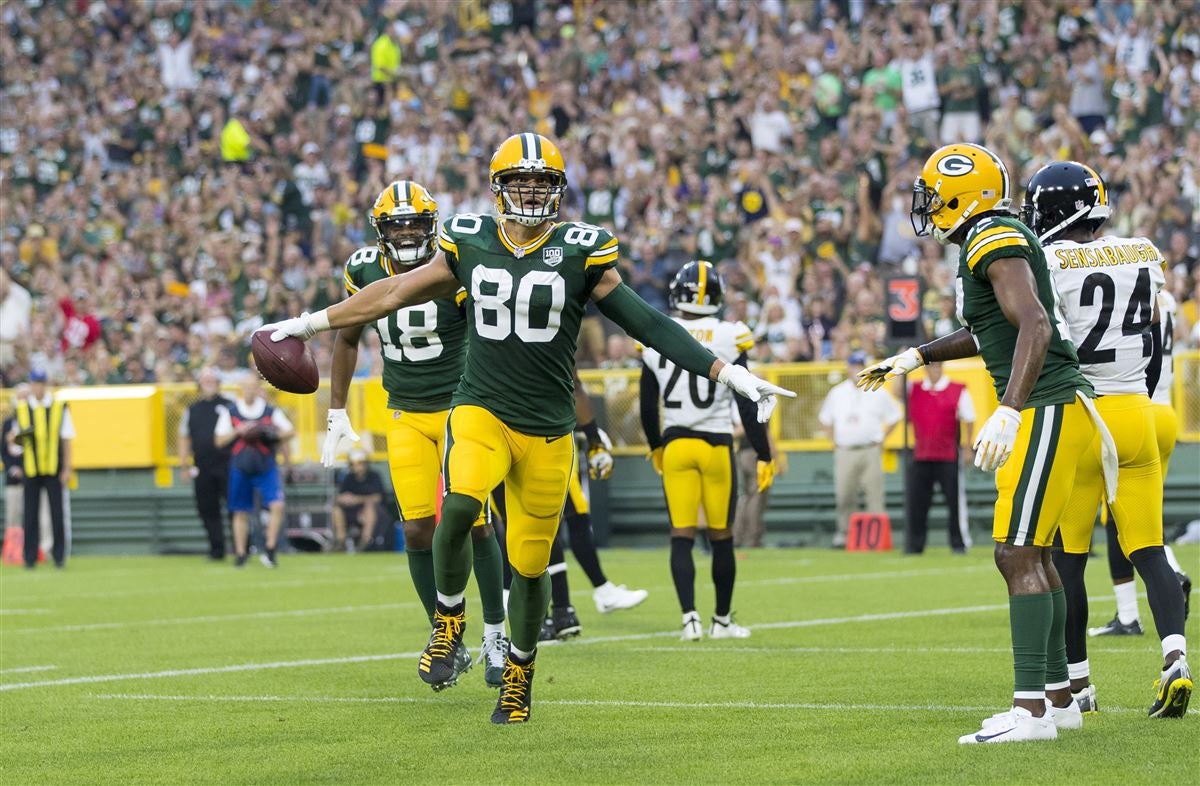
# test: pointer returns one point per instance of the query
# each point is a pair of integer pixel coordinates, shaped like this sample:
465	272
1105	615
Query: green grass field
862	669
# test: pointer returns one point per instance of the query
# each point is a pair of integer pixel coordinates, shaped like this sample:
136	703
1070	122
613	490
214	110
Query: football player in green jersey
1033	440
424	348
528	279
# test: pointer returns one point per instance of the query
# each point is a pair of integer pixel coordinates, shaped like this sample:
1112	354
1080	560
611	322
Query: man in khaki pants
858	422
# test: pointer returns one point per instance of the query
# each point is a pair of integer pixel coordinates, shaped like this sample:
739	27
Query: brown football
288	365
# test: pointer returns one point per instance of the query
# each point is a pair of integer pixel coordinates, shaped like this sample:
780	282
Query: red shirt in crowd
80	331
935	411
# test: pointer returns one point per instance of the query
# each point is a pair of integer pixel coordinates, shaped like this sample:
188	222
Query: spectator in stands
257	431
943	417
359	504
857	422
206	464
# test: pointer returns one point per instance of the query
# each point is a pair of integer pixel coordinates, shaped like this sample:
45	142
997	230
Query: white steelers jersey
699	403
1166	324
1106	289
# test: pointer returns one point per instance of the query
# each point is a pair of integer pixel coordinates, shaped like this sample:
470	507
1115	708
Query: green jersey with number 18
524	307
996	237
423	346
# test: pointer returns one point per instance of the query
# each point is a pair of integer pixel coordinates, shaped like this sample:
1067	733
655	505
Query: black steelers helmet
1064	194
697	289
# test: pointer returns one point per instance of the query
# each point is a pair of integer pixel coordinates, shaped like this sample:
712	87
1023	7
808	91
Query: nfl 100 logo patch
552	256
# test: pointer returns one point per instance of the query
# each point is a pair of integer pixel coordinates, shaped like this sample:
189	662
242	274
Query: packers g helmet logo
955	165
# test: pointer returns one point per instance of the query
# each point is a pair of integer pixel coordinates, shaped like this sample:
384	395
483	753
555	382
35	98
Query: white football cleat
1065	718
610	597
1086	699
727	630
692	629
1015	725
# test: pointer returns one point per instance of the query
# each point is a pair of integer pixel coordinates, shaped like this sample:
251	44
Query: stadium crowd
175	174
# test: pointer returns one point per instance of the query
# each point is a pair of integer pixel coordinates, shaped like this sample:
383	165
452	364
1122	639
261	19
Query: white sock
723	620
493	628
1174	642
1174	563
520	653
1079	671
1127	605
450	601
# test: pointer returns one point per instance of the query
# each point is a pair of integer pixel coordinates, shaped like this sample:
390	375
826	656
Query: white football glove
600	460
741	381
302	327
874	377
994	444
337	428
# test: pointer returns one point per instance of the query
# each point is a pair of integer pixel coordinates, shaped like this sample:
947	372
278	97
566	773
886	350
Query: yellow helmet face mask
405	217
537	164
956	183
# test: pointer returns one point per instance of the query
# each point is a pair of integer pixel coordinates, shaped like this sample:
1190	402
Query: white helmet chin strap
943	235
409	255
1091	211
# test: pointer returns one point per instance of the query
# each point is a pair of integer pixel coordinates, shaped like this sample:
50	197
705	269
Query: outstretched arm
374	301
655	329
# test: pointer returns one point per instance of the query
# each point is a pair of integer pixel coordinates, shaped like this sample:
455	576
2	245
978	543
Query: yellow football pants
1138	510
1034	484
695	473
1166	428
416	441
482	452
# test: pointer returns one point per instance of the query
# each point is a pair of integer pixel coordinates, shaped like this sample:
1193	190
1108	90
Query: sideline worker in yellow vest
44	429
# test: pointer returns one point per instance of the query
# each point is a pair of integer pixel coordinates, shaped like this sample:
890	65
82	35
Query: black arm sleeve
756	433
649	406
655	329
1154	370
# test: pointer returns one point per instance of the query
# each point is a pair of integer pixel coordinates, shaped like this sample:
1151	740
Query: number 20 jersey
524	308
423	346
1107	289
697	403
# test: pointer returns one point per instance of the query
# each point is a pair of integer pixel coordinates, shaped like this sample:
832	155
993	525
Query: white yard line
394	656
150	675
27	669
616	703
22	612
686	647
251	615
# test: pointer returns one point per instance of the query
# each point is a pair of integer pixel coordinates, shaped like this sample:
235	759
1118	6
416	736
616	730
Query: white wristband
319	320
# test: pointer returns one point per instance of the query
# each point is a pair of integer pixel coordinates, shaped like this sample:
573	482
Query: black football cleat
565	622
1117	628
445	657
516	691
1172	691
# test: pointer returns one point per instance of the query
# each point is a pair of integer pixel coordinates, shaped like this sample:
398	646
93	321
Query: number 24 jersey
698	403
1107	289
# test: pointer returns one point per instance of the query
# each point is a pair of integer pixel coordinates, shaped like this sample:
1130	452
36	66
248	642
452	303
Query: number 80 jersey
1107	290
423	346
524	308
697	403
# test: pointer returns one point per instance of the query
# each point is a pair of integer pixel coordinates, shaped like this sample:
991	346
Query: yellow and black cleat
1172	692
516	691
445	657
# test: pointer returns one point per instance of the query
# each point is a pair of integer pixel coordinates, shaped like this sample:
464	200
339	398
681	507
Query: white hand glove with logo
874	377
994	444
302	327
600	460
337	428
741	381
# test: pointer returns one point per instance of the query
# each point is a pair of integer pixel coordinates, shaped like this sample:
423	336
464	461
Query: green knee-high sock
1056	644
527	601
1030	617
489	575
420	567
452	543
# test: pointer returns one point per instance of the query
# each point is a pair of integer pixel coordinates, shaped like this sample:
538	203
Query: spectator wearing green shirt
959	83
884	79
